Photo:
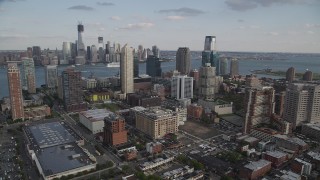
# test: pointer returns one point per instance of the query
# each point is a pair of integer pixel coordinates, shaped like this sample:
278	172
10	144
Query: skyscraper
210	55
307	76
156	51
126	69
208	83
210	43
101	53
72	91
259	106
36	54
81	52
66	53
182	87
28	75
153	66
223	66
234	67
136	65
51	76
302	103
88	53
94	54
183	60
290	74
15	92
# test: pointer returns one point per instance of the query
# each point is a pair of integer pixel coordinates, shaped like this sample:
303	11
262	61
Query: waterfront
301	63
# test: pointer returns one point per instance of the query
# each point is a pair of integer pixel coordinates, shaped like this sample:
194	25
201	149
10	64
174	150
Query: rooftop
314	155
315	126
50	134
96	114
156	113
276	154
289	175
256	165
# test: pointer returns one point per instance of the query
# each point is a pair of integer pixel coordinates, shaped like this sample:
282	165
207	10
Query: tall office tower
195	74
51	76
290	74
182	87
126	69
144	54
234	67
117	50
101	52
81	52
15	92
307	76
208	83
183	60
136	65
223	66
29	52
149	52
114	131
153	66
140	53
36	54
302	103
72	91
28	75
89	54
111	54
94	54
279	99
210	55
259	106
107	52
156	51
66	53
73	53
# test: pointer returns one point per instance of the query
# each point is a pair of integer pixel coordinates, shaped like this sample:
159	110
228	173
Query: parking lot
9	166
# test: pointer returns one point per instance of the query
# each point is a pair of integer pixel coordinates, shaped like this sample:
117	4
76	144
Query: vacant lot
203	131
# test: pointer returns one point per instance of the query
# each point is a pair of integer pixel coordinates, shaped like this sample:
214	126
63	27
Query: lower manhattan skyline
240	25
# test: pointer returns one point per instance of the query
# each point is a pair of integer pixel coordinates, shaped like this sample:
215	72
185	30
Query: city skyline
259	26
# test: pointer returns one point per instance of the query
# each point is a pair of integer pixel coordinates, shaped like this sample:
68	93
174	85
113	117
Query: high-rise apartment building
196	76
29	52
126	69
302	103
208	83
259	106
182	87
136	66
307	76
290	74
15	92
153	66
36	54
72	91
223	66
51	76
279	103
156	122
183	60
28	75
114	133
234	67
94	54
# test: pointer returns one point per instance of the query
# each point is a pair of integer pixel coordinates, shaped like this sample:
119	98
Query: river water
301	63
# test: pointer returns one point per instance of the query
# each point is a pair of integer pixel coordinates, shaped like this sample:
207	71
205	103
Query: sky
239	25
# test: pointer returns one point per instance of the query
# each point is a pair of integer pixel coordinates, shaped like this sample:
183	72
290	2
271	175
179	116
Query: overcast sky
239	25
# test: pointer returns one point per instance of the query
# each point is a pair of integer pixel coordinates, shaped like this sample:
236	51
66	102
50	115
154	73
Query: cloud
273	33
115	18
175	18
312	25
101	29
105	4
254	27
310	32
244	5
12	36
240	20
182	11
81	7
143	25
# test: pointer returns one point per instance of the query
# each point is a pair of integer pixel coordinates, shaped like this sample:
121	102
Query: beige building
126	69
156	122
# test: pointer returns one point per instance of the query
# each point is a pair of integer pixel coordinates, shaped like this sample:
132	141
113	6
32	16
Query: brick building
300	166
277	158
154	148
194	112
256	169
114	133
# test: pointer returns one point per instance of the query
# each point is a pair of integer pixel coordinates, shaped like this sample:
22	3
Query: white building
51	76
126	69
93	119
182	87
302	103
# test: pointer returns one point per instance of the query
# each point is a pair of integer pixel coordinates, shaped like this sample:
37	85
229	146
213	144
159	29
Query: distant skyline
239	25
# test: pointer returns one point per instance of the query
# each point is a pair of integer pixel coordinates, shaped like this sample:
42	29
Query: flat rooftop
61	158
276	154
50	134
256	165
155	113
96	114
